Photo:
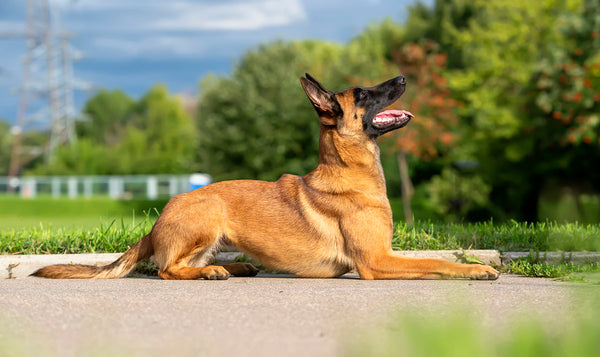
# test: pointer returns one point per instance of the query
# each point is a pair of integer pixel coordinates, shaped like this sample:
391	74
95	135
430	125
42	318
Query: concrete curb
20	266
554	258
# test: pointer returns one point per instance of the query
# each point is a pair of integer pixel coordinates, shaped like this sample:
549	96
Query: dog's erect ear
312	79
322	99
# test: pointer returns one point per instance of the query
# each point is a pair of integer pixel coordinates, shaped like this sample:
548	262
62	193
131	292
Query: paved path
269	315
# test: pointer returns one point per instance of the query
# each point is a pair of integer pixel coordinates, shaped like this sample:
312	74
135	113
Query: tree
105	117
84	157
5	147
435	125
258	123
382	52
564	102
439	24
494	49
500	49
122	137
159	137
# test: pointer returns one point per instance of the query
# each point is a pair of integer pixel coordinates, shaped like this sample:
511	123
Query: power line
47	83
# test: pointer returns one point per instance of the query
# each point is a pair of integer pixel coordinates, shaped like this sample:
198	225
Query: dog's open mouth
388	118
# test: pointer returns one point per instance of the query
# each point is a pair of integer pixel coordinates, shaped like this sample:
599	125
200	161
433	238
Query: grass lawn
61	225
47	212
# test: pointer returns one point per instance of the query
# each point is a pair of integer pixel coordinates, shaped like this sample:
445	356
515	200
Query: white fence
116	187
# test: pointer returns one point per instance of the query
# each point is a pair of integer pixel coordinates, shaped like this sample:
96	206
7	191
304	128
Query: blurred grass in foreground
461	334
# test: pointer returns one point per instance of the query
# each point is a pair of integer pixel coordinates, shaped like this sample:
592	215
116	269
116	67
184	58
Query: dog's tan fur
333	220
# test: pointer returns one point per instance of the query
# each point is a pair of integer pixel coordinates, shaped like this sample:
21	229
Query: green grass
113	237
82	213
511	236
459	333
589	273
43	217
117	234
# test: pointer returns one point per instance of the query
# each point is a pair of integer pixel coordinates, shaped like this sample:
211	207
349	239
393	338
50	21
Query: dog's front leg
391	265
371	250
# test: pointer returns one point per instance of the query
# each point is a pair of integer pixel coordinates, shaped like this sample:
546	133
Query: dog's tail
141	250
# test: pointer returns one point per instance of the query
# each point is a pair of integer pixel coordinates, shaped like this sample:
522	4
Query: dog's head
359	109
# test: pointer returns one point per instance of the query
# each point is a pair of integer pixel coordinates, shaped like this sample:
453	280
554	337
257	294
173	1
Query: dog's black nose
402	80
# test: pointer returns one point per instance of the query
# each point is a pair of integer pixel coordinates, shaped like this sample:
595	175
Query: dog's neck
338	155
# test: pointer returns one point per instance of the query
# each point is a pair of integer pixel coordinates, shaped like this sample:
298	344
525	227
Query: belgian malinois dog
327	223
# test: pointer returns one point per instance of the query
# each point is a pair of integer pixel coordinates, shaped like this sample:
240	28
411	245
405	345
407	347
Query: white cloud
156	28
238	16
186	15
8	27
156	46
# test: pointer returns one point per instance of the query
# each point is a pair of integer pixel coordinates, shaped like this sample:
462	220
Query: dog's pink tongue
394	113
391	117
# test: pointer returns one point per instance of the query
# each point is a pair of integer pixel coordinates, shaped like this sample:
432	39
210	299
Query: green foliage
159	137
558	204
82	158
5	146
105	117
258	123
453	196
500	48
512	67
120	136
439	24
564	101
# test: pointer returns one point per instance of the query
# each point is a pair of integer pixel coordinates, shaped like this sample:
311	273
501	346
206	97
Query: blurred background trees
258	123
5	145
121	136
506	96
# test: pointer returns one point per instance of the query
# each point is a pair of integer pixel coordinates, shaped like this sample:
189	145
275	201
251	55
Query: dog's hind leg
178	272
241	269
186	236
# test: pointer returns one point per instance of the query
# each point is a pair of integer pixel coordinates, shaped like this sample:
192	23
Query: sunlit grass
117	234
510	236
567	272
81	213
111	237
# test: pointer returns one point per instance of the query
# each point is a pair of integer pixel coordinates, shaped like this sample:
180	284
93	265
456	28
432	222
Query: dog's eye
364	94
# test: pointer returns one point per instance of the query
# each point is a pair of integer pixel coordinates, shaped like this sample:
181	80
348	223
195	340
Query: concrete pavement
268	315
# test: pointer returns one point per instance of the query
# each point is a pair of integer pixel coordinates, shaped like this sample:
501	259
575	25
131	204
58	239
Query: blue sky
134	44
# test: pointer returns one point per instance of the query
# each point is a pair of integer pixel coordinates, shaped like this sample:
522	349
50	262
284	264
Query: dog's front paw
483	272
215	273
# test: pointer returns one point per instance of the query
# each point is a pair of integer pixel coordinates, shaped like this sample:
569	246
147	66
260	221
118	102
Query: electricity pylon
47	84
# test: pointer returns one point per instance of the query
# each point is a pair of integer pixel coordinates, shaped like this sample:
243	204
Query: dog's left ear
322	99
